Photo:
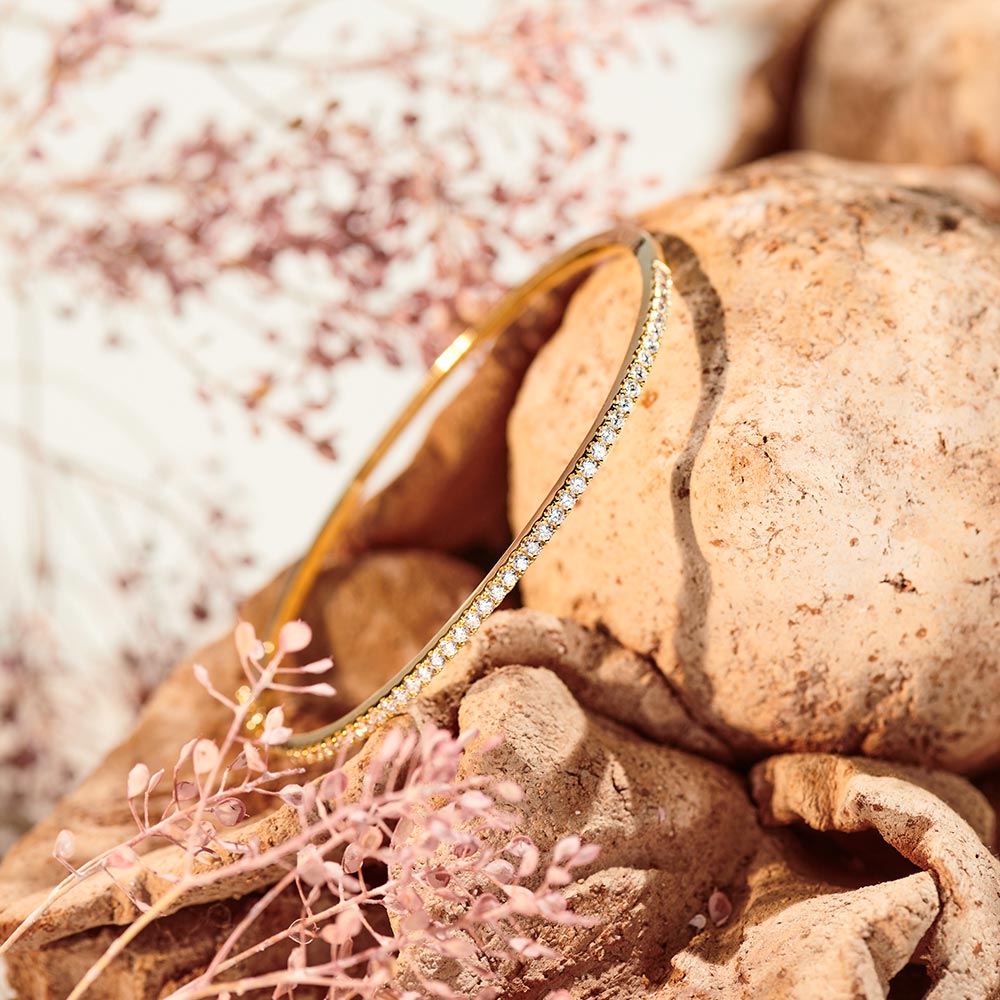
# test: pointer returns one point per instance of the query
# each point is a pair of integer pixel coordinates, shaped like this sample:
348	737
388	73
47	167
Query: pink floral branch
456	882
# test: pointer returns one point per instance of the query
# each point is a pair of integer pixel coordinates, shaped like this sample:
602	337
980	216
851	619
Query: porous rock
962	949
810	921
672	827
902	81
798	525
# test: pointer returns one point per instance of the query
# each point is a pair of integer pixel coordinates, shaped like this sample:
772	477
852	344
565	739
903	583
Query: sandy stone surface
799	523
780	30
906	82
902	81
809	921
797	550
673	827
831	793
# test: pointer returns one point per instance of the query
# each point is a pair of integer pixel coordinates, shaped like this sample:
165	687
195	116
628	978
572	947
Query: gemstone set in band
491	594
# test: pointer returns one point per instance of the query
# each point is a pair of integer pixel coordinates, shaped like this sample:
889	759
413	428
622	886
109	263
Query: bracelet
394	696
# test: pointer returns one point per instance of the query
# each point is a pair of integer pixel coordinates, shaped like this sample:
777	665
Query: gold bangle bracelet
393	697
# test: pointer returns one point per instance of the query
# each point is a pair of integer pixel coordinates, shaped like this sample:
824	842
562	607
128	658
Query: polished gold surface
529	544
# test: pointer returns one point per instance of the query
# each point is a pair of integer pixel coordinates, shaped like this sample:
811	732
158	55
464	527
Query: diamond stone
472	620
577	484
616	419
460	633
608	434
544	532
639	373
532	546
632	387
448	648
566	500
436	660
377	715
484	605
521	562
497	591
589	468
555	515
412	683
509	578
598	451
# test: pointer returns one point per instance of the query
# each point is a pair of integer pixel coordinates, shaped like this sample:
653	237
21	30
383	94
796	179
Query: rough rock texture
897	82
806	942
396	626
819	401
903	81
160	960
603	676
799	524
906	809
808	922
673	828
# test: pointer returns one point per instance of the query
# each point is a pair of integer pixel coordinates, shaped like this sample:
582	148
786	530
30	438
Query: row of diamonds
496	589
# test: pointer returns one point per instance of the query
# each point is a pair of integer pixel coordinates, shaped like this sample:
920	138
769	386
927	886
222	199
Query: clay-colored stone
903	81
672	828
832	793
799	523
799	942
778	30
593	726
381	586
806	924
605	678
157	962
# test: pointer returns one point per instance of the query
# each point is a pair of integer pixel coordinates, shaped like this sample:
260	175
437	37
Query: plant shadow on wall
209	214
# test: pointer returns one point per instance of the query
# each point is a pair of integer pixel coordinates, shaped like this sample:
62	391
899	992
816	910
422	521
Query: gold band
392	698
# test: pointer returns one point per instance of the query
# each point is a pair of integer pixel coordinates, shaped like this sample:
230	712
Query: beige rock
779	30
815	916
380	587
811	920
831	793
451	498
808	942
672	826
903	81
799	524
604	678
157	962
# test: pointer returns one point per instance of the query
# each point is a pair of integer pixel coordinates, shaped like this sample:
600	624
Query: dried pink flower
720	908
416	841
